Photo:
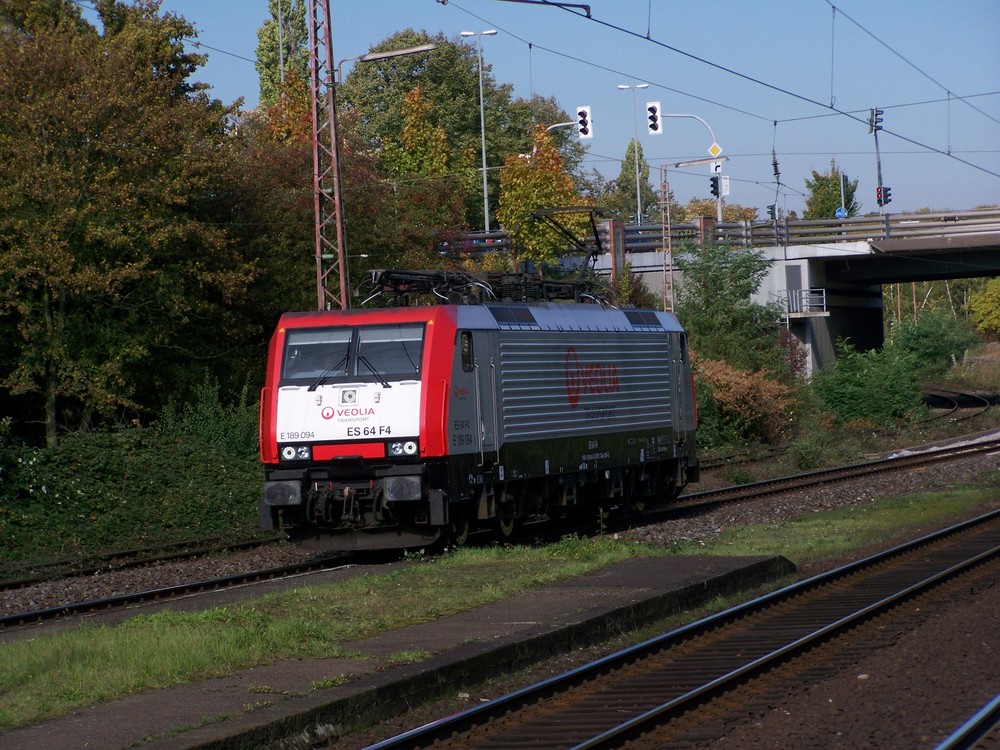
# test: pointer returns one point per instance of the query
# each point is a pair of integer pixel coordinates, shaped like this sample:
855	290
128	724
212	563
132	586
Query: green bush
193	475
874	386
231	428
934	342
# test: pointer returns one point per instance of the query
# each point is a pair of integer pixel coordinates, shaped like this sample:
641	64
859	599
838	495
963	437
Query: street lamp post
715	149
635	150
482	118
667	230
373	56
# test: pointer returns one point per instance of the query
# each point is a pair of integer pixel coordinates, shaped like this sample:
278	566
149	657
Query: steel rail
850	471
169	592
979	725
691	503
449	728
51	570
650	718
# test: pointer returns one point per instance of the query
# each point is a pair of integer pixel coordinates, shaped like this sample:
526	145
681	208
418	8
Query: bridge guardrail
748	234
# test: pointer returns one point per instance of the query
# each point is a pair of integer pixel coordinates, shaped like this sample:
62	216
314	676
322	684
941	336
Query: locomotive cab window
390	350
325	355
312	353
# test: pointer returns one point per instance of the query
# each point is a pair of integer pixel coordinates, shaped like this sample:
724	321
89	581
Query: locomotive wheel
458	529
504	523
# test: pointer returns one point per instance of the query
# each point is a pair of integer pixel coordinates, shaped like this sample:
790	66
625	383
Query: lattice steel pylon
331	255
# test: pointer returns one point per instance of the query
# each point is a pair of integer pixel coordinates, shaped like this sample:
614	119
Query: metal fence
749	234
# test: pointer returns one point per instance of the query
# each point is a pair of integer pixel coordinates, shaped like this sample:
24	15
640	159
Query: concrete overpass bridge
827	275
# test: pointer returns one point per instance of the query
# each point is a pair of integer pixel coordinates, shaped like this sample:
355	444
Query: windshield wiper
327	373
376	373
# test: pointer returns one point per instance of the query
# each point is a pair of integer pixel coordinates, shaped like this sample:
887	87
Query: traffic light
772	211
874	120
878	196
653	118
583	126
714	179
886	192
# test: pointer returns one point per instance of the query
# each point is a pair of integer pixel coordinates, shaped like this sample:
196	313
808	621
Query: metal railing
749	234
800	301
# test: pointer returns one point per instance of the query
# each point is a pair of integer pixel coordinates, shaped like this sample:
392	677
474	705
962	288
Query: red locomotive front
352	410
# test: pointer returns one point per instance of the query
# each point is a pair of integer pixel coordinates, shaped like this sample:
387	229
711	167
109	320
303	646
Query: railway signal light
653	124
874	120
714	180
583	126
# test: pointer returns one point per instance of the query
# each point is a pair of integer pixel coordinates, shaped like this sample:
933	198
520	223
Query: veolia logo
583	378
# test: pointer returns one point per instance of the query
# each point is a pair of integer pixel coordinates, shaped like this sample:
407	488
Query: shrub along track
683	687
16	614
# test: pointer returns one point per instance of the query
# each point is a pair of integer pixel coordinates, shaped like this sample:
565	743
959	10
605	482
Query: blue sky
767	76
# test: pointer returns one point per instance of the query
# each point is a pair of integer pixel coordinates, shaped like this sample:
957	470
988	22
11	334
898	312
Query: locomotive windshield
320	355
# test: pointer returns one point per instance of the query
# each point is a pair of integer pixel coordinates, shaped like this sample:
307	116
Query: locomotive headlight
403	448
296	453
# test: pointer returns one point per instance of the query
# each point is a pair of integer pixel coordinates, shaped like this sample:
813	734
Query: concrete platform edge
343	709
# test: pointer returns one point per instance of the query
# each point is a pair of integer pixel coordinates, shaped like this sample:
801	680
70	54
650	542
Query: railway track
34	617
950	402
690	504
985	723
677	688
51	570
700	501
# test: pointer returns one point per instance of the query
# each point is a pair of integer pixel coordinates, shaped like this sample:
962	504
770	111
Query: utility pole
327	200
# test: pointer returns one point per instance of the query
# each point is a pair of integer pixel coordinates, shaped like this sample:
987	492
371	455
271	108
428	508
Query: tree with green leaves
427	192
934	341
114	271
871	387
731	212
716	308
282	49
825	191
371	98
985	307
620	197
529	182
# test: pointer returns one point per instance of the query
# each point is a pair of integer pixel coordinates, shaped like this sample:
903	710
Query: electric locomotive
398	427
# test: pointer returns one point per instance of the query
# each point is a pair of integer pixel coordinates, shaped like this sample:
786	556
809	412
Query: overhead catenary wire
772	87
833	111
922	72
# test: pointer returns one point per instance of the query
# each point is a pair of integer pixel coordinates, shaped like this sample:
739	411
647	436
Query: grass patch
51	676
818	536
